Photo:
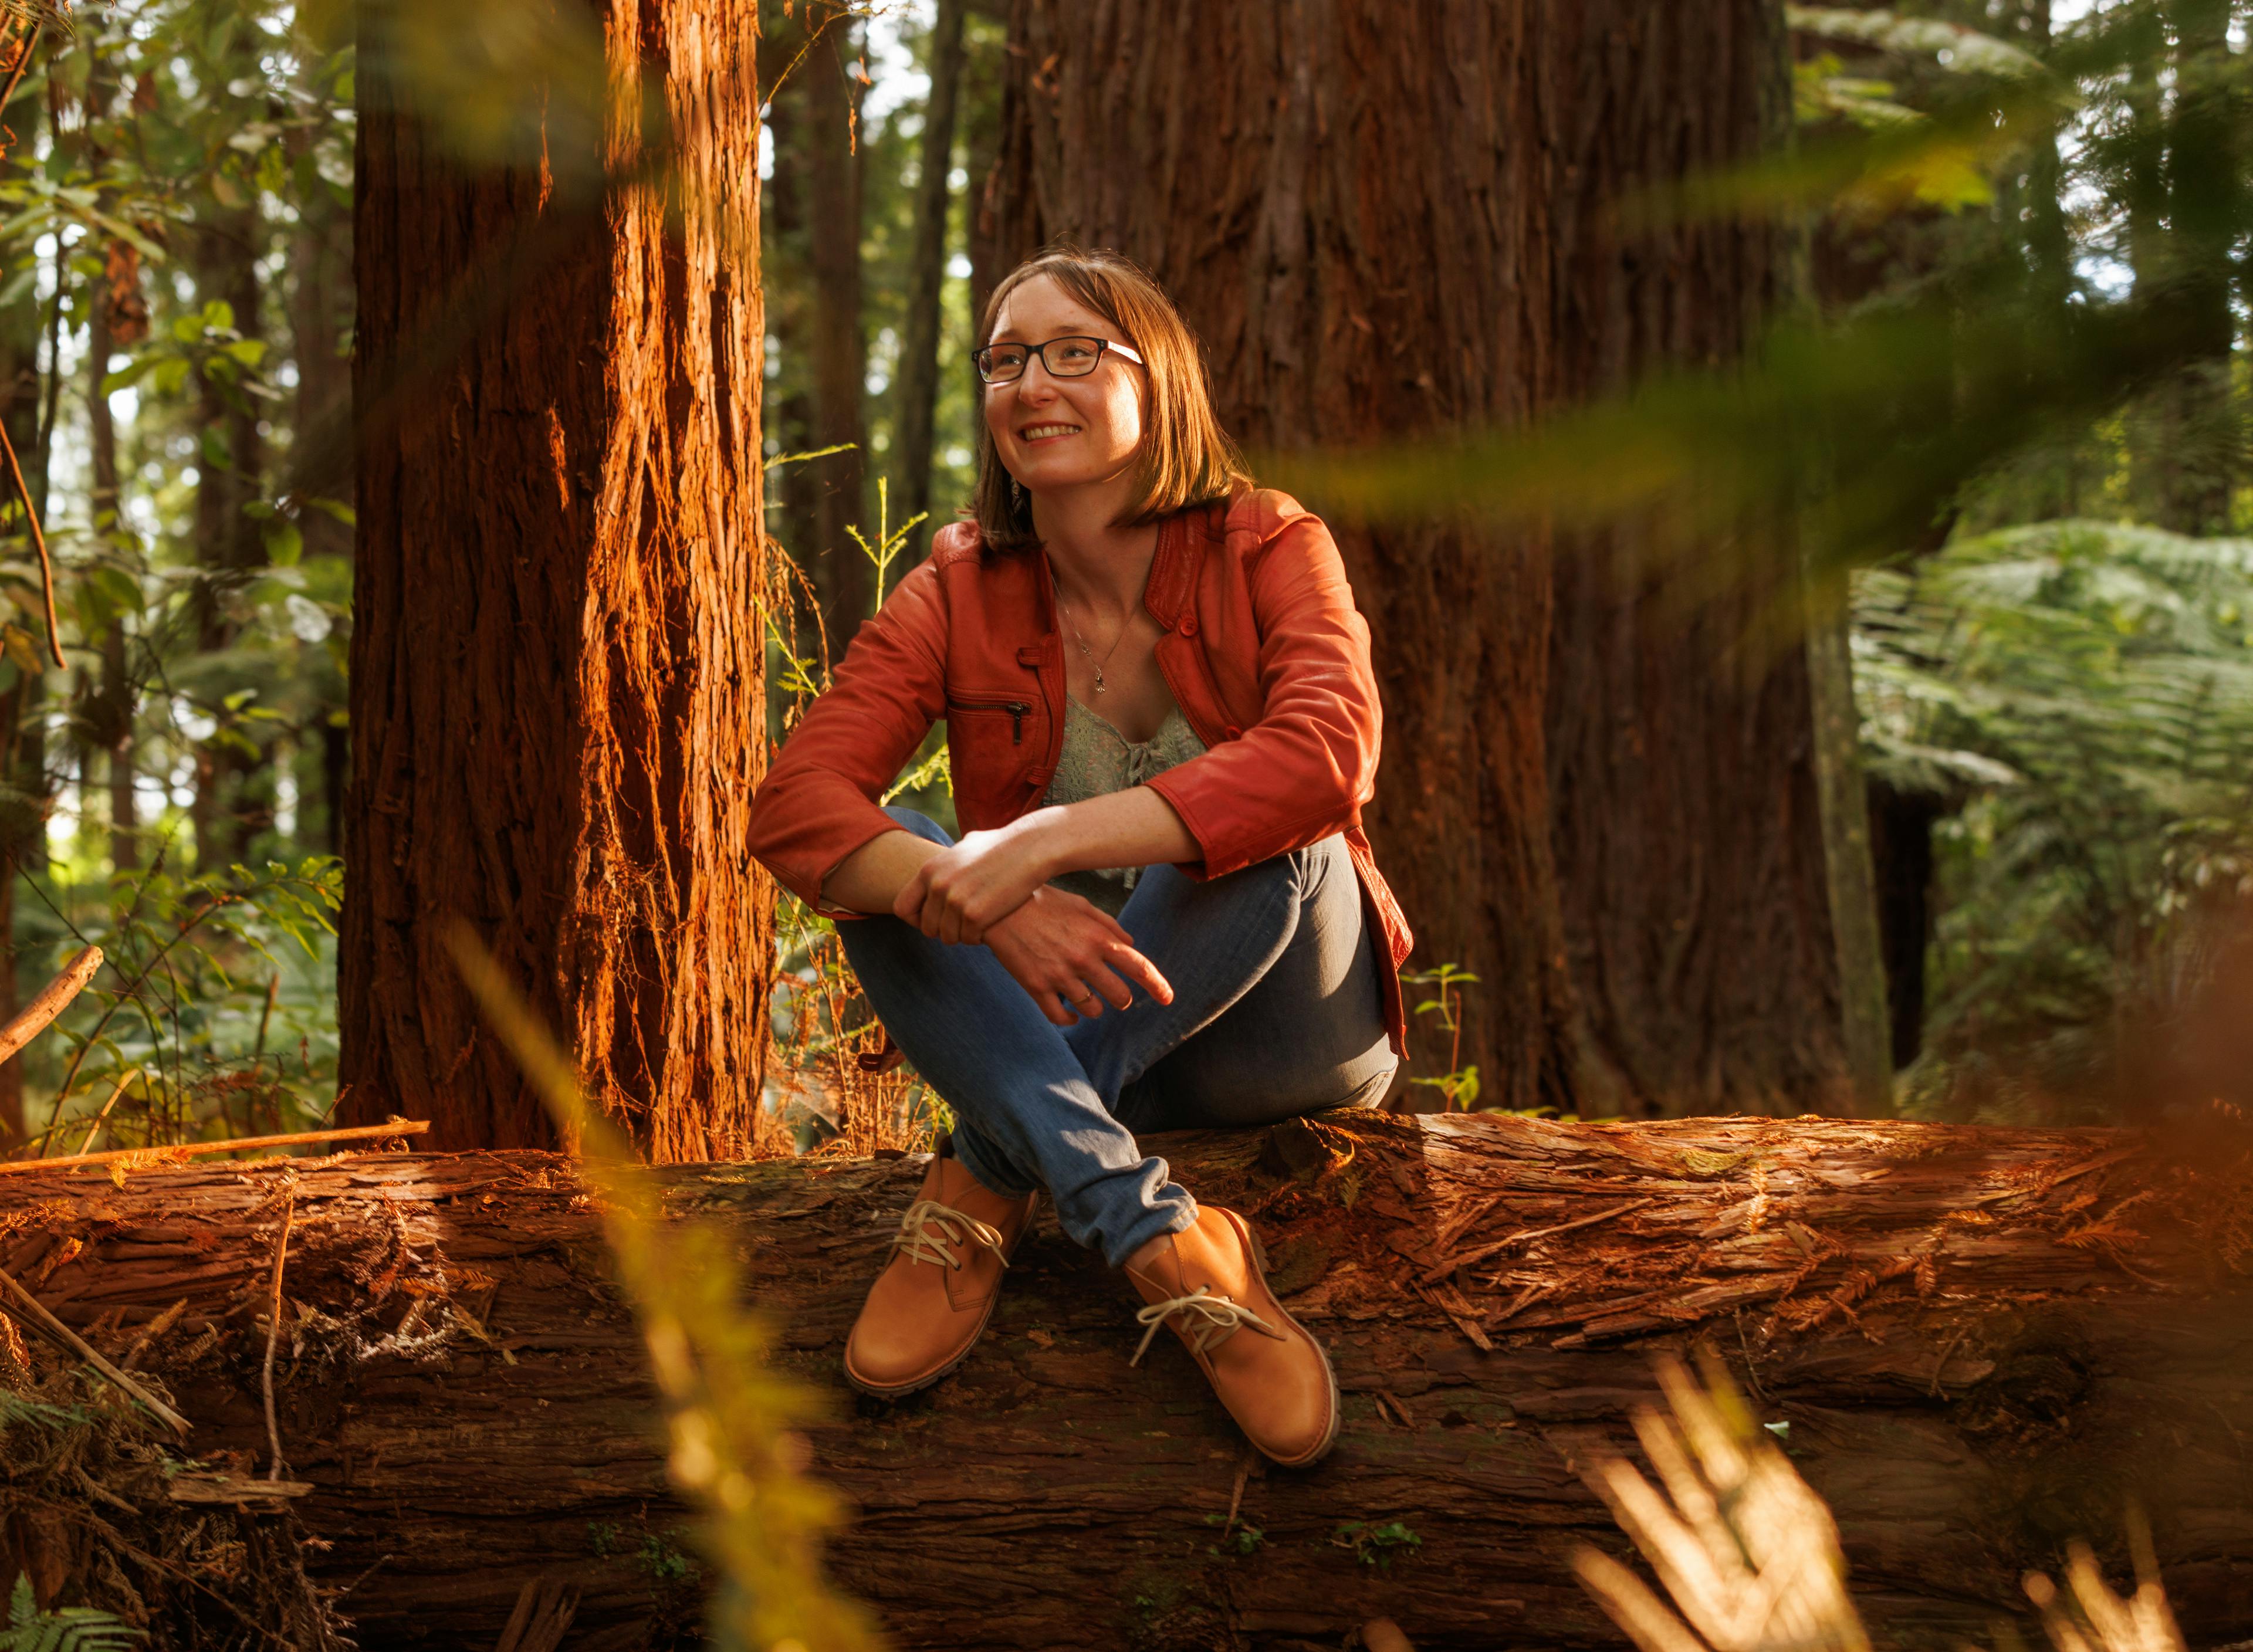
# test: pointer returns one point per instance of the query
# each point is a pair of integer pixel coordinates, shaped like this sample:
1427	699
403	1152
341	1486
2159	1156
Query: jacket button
1231	732
1188	626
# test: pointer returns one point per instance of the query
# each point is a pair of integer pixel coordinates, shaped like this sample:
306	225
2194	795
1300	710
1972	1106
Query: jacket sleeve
1304	770
819	802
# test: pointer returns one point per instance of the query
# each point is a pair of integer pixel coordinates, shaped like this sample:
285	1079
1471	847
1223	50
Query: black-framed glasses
1070	358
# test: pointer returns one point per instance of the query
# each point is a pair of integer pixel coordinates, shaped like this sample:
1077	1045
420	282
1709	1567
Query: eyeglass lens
1064	358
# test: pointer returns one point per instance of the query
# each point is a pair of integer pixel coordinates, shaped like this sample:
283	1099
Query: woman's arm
957	895
1068	955
819	806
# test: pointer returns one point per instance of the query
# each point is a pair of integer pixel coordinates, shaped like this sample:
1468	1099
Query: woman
1162	915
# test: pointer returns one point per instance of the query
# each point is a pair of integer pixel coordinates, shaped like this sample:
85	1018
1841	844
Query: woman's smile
1036	432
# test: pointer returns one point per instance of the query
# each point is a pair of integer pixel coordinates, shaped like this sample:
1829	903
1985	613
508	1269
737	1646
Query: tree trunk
1573	764
22	746
2192	461
839	349
234	786
118	701
1977	1357
985	77
918	373
1688	832
557	672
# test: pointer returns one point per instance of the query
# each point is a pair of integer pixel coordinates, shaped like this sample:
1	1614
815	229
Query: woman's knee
920	823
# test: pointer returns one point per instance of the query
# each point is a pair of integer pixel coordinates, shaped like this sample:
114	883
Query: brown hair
1186	458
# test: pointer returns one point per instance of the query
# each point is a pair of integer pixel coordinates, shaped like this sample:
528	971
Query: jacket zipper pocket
1017	708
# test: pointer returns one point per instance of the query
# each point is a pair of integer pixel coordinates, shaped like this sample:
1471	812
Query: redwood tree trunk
1680	729
1385	221
1357	222
1984	1343
556	663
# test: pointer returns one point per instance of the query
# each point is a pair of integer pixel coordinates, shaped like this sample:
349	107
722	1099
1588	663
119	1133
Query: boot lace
1207	1320
929	1227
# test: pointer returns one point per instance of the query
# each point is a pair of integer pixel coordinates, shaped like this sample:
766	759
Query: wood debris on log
1980	1344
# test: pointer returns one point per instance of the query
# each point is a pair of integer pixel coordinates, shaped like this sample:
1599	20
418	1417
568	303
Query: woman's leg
1277	1010
1027	1115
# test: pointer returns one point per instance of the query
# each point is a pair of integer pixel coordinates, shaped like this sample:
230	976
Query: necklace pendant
1099	680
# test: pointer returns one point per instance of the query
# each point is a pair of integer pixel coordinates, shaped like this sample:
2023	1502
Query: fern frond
68	1629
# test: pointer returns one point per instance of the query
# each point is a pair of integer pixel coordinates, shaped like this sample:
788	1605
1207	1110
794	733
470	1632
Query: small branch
39	542
100	1119
238	1144
53	998
15	79
274	1334
78	1345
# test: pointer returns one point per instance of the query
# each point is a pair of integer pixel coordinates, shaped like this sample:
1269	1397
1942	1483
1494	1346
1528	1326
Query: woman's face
1061	433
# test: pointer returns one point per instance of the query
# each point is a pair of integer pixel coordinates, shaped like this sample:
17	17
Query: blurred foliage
179	195
730	1420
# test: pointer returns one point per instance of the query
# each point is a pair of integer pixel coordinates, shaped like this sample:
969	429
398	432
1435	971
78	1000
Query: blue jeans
1276	1013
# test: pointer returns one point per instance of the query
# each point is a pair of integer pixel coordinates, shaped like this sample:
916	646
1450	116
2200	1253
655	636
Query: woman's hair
1186	459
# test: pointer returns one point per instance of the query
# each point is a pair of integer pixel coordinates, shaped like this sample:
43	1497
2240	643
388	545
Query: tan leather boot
1208	1282
926	1309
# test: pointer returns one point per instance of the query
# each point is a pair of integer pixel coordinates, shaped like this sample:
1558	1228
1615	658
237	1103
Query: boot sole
900	1390
1322	1448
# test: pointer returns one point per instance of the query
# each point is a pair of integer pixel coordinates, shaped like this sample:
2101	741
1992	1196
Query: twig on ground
236	1144
53	998
79	1345
273	1331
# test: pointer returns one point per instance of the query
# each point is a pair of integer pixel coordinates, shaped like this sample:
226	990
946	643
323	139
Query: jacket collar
1174	571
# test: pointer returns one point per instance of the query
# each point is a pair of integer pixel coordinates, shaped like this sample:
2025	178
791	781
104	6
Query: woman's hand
962	892
1069	955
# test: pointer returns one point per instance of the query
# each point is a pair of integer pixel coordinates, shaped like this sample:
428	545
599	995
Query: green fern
21	1408
2078	695
70	1629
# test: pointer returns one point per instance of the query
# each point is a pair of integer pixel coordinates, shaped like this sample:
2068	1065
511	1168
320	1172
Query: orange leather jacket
1263	650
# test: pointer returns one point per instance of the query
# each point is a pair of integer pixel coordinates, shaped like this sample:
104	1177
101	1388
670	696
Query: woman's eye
1076	351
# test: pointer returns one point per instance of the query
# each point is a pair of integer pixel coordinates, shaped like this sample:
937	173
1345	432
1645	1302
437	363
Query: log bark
1384	222
556	674
1983	1342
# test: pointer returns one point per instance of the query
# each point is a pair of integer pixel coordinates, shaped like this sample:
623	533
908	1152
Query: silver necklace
1088	652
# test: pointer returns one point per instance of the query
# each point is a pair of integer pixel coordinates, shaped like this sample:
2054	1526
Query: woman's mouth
1033	433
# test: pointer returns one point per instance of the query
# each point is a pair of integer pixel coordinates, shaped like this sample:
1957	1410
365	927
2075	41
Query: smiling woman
1189	860
1189	459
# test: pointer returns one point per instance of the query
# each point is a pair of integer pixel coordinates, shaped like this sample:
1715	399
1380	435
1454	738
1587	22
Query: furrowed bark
1984	1343
1337	306
1572	756
557	680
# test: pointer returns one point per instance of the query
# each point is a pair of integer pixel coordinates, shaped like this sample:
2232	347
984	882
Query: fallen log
1978	1344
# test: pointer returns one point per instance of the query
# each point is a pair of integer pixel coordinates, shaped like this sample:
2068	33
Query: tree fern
69	1629
2081	694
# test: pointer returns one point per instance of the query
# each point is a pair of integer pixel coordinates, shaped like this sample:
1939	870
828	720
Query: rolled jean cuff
988	1166
1163	1216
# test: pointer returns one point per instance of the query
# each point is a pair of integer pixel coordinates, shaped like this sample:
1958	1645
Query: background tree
1571	759
556	674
